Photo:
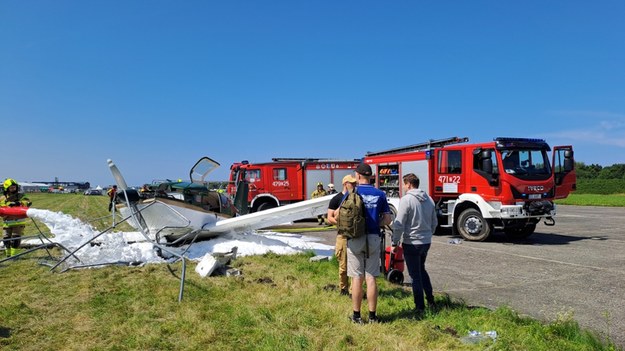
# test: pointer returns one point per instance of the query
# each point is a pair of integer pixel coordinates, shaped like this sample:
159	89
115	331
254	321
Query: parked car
93	192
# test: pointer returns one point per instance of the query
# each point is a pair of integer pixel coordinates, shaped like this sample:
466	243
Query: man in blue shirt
363	253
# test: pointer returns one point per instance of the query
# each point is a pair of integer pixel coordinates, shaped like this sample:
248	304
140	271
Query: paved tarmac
575	268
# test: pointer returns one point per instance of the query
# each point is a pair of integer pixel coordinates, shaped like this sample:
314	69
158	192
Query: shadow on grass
442	302
5	332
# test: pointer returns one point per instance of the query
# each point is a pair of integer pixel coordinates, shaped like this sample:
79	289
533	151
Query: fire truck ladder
309	159
421	146
296	159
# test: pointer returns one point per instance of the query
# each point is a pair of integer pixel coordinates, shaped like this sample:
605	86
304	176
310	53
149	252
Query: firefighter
13	227
111	193
331	189
320	192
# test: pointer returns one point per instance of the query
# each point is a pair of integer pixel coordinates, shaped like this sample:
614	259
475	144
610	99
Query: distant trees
595	179
595	171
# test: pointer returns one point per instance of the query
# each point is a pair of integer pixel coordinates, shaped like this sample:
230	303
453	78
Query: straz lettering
449	179
334	166
280	183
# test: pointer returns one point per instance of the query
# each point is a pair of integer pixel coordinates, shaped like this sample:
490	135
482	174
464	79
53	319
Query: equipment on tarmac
394	265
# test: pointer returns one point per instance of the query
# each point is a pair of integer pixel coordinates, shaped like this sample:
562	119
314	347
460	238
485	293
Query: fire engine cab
508	184
284	180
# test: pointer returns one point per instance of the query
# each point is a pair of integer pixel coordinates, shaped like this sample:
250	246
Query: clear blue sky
155	85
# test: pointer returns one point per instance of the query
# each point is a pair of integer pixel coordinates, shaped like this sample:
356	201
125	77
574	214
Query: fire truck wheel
472	226
265	206
521	233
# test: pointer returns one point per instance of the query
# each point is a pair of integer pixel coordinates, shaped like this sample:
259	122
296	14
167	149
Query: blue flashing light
503	142
530	140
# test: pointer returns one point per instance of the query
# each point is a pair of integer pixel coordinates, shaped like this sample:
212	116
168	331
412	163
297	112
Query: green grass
615	200
279	303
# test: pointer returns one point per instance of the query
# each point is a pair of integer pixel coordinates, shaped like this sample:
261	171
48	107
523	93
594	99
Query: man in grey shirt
414	225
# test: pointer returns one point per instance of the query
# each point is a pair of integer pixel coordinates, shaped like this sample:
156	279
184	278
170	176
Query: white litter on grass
132	247
206	266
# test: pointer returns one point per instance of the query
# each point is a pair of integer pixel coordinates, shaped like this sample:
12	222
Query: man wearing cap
349	183
363	253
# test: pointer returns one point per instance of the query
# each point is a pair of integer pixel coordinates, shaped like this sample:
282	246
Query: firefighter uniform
320	192
13	227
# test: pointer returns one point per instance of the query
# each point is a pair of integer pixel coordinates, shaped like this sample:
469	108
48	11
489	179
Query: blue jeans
415	256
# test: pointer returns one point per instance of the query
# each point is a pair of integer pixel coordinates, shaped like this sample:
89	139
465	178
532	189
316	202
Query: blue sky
155	85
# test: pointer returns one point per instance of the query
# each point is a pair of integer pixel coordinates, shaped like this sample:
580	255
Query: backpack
351	219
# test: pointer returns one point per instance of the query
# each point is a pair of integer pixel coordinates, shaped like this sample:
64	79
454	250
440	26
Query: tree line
595	171
596	179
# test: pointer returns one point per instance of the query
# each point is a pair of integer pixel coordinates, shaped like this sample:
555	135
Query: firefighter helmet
8	182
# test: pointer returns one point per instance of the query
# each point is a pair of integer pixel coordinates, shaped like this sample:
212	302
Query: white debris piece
206	266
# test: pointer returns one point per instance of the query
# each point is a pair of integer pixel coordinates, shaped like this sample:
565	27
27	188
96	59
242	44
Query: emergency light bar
523	143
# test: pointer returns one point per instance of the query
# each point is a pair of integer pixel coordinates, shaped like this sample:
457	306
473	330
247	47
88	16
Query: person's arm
399	224
331	216
24	201
386	219
434	220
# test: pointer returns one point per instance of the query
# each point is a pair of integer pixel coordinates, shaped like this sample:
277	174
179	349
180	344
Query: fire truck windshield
526	164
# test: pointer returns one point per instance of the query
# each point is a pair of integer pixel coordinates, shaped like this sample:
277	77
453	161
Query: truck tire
393	213
520	233
472	226
265	206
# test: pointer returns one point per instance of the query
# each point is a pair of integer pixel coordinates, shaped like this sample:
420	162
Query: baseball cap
330	185
364	169
348	179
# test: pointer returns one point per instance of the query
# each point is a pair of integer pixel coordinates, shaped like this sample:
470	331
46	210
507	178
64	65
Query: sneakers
356	320
431	302
418	314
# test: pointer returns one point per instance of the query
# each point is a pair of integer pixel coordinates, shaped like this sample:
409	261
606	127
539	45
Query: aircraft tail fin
119	179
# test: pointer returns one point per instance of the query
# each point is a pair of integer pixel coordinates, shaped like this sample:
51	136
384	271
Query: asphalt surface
575	268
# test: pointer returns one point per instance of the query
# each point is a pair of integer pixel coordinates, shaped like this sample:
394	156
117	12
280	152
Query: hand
393	248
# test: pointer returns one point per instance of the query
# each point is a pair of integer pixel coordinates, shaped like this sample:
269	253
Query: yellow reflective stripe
15	222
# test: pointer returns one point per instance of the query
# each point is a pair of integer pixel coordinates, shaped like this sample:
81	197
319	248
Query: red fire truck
285	180
508	184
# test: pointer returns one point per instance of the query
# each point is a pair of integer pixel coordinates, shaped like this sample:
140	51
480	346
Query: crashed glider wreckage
179	212
175	213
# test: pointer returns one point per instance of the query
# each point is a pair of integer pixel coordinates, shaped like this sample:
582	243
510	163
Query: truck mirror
487	165
487	161
568	160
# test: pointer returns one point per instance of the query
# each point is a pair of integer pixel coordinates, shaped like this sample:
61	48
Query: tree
587	172
616	171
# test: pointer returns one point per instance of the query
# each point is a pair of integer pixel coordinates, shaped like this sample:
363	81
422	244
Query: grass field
278	303
616	200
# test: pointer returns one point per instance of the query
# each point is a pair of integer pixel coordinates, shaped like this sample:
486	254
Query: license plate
534	196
